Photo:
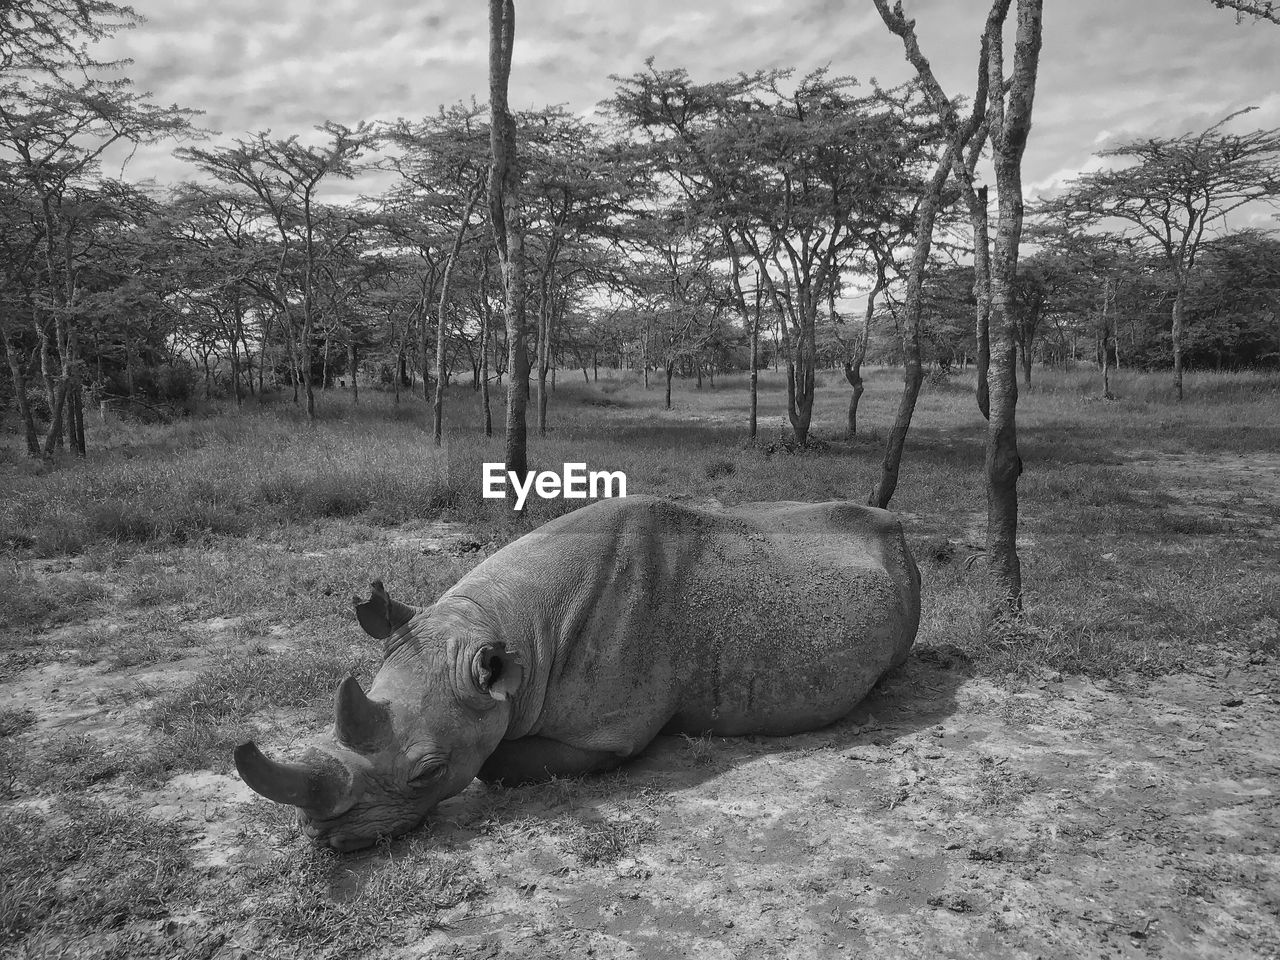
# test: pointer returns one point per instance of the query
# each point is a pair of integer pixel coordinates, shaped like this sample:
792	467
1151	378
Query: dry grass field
1100	778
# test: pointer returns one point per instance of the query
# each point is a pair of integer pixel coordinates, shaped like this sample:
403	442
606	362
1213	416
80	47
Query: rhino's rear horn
321	789
380	616
361	724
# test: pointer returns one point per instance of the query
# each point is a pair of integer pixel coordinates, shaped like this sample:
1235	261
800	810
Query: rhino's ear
497	671
380	615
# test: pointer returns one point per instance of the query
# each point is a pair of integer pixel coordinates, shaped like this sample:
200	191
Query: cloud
1109	70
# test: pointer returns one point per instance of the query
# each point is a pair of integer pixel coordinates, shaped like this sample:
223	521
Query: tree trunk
853	374
424	363
459	239
237	388
1106	370
437	401
262	355
913	305
755	370
129	381
671	366
644	358
237	330
1179	301
1002	462
77	418
486	338
1106	336
352	360
543	360
54	436
982	294
484	373
397	375
508	229
20	393
853	368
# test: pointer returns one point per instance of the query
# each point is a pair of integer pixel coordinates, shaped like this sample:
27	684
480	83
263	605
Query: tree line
697	227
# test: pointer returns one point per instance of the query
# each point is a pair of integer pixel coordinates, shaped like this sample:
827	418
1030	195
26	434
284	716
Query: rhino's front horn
361	724
317	788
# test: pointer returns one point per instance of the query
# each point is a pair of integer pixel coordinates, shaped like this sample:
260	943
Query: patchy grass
109	873
286	496
392	900
87	869
13	720
700	751
72	764
200	721
606	841
238	540
30	602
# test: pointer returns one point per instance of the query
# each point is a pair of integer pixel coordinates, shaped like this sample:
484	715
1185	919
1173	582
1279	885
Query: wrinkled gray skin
572	648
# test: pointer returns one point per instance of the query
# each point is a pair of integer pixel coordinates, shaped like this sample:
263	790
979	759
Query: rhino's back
797	611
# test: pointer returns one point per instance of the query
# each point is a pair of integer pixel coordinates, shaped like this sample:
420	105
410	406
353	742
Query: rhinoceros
570	649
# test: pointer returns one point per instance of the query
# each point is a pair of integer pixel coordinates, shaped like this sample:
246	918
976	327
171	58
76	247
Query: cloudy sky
1110	69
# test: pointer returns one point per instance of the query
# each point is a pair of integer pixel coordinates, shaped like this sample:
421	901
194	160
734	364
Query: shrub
30	601
719	467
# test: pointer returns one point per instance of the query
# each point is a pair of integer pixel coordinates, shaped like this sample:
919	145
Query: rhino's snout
329	833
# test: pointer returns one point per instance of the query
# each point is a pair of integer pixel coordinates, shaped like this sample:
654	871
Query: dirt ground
949	816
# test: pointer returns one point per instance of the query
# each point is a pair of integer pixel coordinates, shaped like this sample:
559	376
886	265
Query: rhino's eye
426	769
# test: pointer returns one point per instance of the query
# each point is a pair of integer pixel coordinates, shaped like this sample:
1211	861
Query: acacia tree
51	35
880	263
221	261
52	137
284	177
957	136
571	193
1003	106
19	244
792	178
814	169
443	166
1258	9
670	276
1175	197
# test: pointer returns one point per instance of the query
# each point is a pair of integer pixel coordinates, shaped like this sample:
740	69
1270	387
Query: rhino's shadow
918	695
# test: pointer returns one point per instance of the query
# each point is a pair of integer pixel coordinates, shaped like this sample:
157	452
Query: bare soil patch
949	816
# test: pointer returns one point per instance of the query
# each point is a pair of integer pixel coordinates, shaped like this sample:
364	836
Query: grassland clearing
1100	776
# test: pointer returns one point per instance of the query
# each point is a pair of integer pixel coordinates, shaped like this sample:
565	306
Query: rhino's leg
532	759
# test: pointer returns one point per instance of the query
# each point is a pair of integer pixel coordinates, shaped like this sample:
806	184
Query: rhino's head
436	710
